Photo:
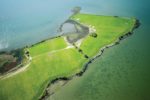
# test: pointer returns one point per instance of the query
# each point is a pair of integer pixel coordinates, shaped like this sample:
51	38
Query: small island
27	73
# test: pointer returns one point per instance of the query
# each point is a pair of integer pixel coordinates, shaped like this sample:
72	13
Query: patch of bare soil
9	60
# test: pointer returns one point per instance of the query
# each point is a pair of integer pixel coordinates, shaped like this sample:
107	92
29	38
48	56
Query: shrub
93	35
76	10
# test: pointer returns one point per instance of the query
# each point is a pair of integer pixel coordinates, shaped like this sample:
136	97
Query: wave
3	44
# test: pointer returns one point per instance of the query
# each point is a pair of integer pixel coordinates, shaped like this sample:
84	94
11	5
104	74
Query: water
122	73
26	22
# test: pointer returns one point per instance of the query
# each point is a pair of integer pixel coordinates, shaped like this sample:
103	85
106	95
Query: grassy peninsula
55	58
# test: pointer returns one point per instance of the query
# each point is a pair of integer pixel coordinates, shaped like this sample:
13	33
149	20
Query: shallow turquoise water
122	73
24	22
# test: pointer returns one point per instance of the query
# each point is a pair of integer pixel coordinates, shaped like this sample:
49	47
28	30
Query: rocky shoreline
55	81
64	80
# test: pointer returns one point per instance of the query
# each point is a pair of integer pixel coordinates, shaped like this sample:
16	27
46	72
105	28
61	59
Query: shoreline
53	37
45	93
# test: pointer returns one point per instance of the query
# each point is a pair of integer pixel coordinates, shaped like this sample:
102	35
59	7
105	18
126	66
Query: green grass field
108	29
47	65
47	46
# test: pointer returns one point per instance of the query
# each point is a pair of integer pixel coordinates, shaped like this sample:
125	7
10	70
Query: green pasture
47	46
108	29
